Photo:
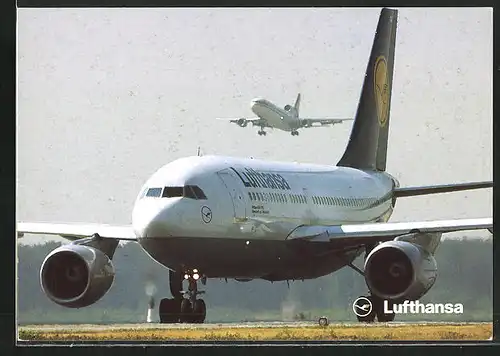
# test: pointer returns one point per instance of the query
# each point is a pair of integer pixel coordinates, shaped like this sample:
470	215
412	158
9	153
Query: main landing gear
374	307
367	308
295	133
262	132
184	307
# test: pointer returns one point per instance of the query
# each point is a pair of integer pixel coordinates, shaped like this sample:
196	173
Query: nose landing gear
184	307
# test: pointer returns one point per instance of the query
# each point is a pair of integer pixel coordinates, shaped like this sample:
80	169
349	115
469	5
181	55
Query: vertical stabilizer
297	103
367	146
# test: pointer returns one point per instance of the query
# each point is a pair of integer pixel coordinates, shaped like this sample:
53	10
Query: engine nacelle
287	107
242	122
76	276
398	270
306	123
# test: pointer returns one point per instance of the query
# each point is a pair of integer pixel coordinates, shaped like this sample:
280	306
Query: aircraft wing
361	234
243	121
323	121
75	231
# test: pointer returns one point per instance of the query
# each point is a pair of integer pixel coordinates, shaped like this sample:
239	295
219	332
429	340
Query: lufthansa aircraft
222	217
286	119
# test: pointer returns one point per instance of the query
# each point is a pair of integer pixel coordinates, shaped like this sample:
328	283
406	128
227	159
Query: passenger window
154	192
250	196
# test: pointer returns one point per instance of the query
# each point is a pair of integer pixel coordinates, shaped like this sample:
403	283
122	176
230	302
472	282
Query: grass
333	332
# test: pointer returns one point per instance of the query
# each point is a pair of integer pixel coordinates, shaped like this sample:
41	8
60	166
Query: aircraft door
232	183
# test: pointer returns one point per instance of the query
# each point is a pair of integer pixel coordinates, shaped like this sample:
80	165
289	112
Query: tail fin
297	103
367	147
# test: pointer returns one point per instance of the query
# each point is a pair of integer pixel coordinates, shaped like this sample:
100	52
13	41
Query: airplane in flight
286	119
208	217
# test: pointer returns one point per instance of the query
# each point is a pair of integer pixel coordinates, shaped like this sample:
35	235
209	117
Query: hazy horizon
108	96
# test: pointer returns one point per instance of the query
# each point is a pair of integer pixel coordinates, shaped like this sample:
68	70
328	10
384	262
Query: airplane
286	119
221	217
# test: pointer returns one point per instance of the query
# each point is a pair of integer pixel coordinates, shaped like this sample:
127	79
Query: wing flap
354	234
74	231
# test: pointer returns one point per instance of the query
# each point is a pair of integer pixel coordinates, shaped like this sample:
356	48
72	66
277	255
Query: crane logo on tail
381	89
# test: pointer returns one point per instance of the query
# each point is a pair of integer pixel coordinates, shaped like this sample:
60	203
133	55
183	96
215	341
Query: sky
108	96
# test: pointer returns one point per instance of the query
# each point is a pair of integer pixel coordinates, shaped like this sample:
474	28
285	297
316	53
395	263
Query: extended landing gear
262	133
295	133
367	308
179	308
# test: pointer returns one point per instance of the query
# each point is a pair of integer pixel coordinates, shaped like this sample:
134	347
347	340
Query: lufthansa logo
362	307
206	214
381	89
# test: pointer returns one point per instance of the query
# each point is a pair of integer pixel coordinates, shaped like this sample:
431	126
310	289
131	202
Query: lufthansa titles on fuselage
254	179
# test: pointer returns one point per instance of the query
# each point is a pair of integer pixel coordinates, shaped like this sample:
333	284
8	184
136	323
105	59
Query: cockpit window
188	191
170	192
154	192
199	193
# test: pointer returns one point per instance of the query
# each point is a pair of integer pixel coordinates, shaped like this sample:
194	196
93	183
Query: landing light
195	271
186	276
196	276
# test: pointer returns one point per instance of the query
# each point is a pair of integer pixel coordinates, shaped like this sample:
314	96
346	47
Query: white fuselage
275	116
254	199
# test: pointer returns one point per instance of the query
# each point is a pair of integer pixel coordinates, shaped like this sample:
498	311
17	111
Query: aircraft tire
199	311
382	317
186	311
169	311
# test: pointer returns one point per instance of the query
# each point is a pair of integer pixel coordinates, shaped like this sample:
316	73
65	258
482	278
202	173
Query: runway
258	331
240	325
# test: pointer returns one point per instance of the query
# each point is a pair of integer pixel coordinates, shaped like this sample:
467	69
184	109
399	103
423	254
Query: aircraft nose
151	222
256	101
255	104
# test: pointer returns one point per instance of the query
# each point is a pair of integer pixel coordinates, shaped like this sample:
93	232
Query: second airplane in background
286	119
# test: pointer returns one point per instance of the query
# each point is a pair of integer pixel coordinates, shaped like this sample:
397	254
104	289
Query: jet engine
306	123
76	276
400	270
242	122
287	107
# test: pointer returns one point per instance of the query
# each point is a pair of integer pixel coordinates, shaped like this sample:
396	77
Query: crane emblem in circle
206	214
